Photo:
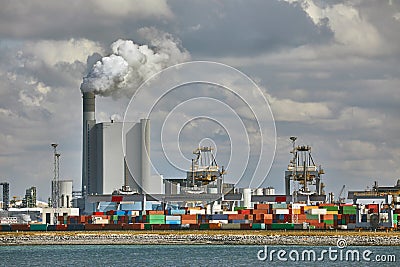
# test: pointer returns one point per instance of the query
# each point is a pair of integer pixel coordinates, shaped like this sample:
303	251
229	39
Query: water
173	255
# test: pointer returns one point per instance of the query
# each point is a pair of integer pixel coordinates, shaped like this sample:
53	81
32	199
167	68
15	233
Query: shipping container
204	226
5	228
244	211
230	226
177	212
258	226
282	226
76	227
218	217
279	206
38	227
61	227
261	206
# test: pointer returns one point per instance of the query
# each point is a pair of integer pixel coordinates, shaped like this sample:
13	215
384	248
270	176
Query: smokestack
89	122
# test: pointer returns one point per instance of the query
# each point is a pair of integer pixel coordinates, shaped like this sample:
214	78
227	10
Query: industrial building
112	162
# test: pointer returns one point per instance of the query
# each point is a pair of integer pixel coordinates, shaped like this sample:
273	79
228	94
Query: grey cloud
244	27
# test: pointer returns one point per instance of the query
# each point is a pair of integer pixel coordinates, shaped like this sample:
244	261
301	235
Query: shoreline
187	237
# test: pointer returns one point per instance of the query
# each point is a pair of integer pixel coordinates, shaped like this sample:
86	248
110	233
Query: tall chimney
89	122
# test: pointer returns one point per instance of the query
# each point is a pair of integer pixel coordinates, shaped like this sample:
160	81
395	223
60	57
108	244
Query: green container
156	222
282	226
115	217
156	216
395	217
329	221
312	217
330	208
38	227
148	227
349	212
204	226
155	219
239	208
258	226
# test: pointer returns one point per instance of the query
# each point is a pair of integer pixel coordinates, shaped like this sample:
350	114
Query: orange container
268	221
188	221
154	212
215	226
261	206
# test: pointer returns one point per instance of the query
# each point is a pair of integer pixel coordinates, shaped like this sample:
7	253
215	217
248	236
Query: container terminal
120	193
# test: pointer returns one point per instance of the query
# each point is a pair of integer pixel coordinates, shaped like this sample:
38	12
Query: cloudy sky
329	69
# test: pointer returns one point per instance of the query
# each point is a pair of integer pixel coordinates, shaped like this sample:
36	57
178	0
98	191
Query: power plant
105	168
120	192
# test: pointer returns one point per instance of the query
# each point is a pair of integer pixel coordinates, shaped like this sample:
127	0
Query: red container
61	227
20	227
134	226
245	226
160	226
287	218
98	213
244	211
194	226
94	227
112	227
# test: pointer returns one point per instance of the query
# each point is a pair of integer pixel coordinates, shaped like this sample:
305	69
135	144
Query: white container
281	211
317	211
297	206
230	212
191	212
172	218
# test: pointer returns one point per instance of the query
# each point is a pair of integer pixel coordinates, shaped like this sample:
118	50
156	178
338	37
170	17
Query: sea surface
191	255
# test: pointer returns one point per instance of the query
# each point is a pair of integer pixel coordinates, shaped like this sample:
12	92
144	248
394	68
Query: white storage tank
65	193
259	191
247	197
269	191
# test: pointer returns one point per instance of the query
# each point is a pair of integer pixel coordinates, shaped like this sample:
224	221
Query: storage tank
65	187
259	191
247	197
269	191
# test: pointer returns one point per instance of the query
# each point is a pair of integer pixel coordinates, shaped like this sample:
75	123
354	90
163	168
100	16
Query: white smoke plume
130	64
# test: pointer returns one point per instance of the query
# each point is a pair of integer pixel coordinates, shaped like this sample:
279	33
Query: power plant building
105	168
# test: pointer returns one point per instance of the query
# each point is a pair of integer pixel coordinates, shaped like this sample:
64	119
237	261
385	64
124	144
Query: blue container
51	227
5	227
175	226
119	212
219	217
364	218
177	212
74	227
173	222
240	221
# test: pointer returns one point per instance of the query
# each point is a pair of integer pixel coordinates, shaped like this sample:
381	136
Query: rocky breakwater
148	238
